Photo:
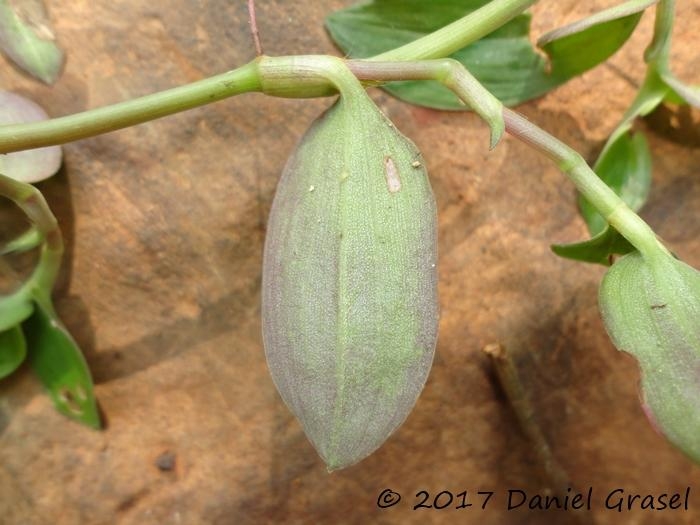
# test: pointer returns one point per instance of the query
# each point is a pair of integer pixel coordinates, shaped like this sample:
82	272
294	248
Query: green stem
460	33
660	46
300	75
654	88
124	114
650	94
244	79
284	74
599	194
448	72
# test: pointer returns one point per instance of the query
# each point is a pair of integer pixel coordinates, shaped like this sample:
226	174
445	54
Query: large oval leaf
349	302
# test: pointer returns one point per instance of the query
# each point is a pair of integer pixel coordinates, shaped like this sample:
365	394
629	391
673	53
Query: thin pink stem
254	27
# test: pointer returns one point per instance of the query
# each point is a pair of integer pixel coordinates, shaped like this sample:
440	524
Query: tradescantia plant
350	266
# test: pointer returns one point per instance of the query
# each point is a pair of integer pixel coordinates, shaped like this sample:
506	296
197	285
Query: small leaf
13	350
25	36
504	61
33	165
61	367
596	250
651	309
625	166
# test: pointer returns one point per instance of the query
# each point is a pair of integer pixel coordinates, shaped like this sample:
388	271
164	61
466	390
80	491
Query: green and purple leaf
651	310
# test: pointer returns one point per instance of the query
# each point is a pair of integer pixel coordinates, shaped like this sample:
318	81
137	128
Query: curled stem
38	286
291	76
660	46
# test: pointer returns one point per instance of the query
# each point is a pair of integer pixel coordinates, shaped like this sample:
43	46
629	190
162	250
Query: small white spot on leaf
393	181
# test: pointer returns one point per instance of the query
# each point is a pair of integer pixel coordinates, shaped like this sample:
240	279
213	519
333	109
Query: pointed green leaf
504	61
32	165
13	350
596	250
61	367
26	38
611	14
651	309
584	44
625	166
